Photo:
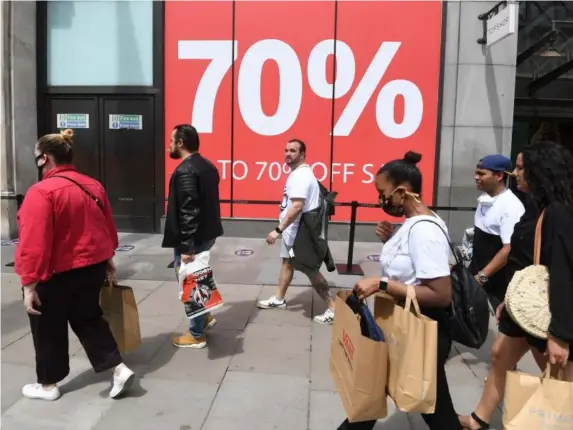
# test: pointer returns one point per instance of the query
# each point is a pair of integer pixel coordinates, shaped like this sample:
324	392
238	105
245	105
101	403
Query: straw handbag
527	296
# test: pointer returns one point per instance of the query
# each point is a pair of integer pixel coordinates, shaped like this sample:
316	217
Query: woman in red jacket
67	239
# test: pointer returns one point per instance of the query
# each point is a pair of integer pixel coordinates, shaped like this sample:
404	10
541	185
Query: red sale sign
356	81
198	80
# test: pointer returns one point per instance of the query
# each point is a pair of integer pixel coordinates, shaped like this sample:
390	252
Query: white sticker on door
73	120
122	122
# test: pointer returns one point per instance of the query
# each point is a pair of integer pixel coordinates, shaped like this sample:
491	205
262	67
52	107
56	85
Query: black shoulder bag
469	311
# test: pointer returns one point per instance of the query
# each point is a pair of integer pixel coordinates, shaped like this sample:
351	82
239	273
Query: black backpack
469	312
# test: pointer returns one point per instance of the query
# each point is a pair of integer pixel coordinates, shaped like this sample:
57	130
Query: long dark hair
548	170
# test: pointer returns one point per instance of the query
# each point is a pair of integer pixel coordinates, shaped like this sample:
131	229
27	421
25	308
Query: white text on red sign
222	55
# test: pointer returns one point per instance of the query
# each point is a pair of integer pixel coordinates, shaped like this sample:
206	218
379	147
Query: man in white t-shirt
497	213
301	195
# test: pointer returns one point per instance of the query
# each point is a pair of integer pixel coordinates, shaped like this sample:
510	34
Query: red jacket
62	228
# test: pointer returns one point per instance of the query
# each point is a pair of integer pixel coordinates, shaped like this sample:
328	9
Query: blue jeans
197	324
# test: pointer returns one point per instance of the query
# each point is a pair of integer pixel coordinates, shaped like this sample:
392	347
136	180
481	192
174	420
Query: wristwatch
278	230
482	278
383	285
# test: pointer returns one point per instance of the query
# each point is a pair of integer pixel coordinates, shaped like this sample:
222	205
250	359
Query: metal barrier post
349	268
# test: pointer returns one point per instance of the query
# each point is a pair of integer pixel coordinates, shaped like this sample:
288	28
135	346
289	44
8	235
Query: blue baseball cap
495	163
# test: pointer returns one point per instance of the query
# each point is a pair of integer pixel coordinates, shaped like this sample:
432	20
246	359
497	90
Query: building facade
360	82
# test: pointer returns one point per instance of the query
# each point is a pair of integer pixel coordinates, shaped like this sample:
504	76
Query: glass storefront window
100	43
536	20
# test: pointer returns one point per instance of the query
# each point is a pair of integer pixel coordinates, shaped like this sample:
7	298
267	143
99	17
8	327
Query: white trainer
272	303
122	380
326	318
37	391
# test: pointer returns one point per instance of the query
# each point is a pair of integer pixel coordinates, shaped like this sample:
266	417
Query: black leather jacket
193	208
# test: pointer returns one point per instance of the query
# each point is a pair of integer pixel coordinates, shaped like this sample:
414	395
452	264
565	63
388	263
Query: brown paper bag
537	403
119	309
358	366
413	353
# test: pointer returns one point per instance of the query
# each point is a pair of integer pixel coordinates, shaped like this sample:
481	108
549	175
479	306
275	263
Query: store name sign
502	24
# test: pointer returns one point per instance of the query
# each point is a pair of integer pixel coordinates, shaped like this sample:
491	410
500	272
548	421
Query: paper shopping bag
119	309
358	366
412	340
537	403
197	287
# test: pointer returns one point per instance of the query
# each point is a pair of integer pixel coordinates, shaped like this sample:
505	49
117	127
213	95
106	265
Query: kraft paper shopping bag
119	309
412	340
358	366
537	403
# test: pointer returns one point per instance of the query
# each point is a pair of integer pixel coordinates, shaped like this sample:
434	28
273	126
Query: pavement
263	370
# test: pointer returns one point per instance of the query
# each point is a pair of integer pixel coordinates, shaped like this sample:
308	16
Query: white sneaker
272	303
326	318
122	381
37	391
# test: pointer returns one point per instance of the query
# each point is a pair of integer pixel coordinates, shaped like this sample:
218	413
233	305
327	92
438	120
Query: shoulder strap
452	247
537	240
84	189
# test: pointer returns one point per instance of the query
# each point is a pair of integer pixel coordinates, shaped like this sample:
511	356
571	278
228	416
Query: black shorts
510	328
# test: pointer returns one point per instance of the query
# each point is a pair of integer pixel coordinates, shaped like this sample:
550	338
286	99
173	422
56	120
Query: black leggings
72	297
445	416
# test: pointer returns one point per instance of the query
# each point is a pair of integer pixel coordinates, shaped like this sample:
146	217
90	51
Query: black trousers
71	297
445	416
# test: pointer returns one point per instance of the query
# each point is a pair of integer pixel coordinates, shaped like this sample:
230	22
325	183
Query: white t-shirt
498	215
301	184
425	255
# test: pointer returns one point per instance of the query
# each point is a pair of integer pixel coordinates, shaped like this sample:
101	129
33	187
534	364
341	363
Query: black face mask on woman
40	174
390	208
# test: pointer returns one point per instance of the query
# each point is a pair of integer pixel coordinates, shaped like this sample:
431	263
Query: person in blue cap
498	210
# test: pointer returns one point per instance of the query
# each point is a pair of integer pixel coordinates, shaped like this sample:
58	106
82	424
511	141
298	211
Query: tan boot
188	341
210	322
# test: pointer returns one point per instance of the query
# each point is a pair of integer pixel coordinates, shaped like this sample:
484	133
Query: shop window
95	43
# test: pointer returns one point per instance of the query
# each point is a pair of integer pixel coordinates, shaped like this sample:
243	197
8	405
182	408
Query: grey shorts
284	253
284	250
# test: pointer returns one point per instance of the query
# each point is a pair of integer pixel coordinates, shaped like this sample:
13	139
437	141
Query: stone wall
477	110
18	95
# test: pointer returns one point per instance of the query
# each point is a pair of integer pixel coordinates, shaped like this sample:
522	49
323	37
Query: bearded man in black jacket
193	220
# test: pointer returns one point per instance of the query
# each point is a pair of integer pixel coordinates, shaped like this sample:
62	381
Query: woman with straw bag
537	314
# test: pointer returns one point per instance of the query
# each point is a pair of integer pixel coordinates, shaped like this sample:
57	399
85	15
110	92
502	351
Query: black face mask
40	174
389	208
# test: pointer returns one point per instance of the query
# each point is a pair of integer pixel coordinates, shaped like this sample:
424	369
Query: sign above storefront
73	120
502	24
125	122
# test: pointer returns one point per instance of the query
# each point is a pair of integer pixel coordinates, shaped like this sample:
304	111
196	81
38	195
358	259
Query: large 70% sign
220	52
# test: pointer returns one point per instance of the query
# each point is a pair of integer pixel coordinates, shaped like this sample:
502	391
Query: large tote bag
358	365
535	403
413	351
119	309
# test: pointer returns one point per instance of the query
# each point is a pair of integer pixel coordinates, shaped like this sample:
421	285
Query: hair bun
67	134
412	157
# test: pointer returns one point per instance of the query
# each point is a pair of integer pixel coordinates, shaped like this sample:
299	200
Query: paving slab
166	405
208	365
320	378
10	289
273	349
297	313
22	351
14	377
239	304
327	413
79	408
249	401
15	323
